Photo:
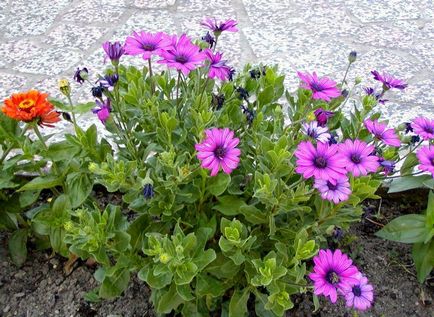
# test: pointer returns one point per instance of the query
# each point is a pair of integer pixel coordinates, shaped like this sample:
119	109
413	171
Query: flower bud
352	57
81	75
164	258
148	191
65	87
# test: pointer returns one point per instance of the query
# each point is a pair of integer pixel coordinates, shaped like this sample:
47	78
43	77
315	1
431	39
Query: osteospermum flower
336	192
114	51
146	44
103	110
316	132
388	80
387	166
358	158
109	81
219	150
322	162
183	55
380	131
426	158
333	271
31	106
424	127
322	88
322	116
217	67
219	27
359	296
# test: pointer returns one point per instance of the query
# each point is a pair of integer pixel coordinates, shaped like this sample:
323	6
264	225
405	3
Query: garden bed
40	288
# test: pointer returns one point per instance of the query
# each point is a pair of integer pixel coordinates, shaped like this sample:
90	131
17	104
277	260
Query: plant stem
74	120
151	77
346	73
177	91
41	138
203	90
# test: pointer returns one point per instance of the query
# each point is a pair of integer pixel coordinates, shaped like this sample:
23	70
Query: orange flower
31	106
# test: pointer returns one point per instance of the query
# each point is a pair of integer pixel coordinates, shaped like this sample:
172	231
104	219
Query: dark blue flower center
355	158
316	86
429	130
432	161
149	47
320	162
220	152
181	59
332	277
331	186
357	291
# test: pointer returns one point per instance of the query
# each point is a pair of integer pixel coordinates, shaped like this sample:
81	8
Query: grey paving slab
42	41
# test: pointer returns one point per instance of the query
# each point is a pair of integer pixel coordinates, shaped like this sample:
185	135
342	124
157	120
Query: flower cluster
334	274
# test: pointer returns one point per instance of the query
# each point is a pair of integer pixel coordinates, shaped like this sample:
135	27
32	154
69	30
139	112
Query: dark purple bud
352	57
408	127
369	91
255	73
97	91
242	93
208	38
148	191
332	138
217	101
250	114
66	116
414	139
345	93
338	233
81	75
231	74
322	116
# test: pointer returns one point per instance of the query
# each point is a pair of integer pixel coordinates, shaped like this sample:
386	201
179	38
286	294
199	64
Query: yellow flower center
26	104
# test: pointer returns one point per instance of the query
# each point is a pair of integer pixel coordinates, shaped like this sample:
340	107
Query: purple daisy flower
332	271
371	92
322	88
109	81
424	127
219	150
322	116
316	132
388	80
219	27
358	158
183	55
340	191
147	44
322	162
114	51
426	158
361	295
380	131
387	166
217	67
103	110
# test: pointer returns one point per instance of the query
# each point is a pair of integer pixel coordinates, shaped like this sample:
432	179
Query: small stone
18	295
6	309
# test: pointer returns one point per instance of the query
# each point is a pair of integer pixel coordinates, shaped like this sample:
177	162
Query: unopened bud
65	87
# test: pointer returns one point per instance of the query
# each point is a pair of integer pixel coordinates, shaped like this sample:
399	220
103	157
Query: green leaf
207	285
409	163
253	214
238	303
266	96
167	301
204	259
229	205
113	286
430	210
185	292
18	246
78	187
406	229
42	182
423	257
218	184
62	151
27	198
408	182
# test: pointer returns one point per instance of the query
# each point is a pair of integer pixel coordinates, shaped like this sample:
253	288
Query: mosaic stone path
42	41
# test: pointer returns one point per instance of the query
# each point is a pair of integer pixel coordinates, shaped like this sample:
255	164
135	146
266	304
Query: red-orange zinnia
31	106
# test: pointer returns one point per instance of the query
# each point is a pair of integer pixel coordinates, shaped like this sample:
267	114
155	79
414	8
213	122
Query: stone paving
42	41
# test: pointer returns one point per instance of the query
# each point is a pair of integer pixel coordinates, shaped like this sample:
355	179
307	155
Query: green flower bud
65	87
